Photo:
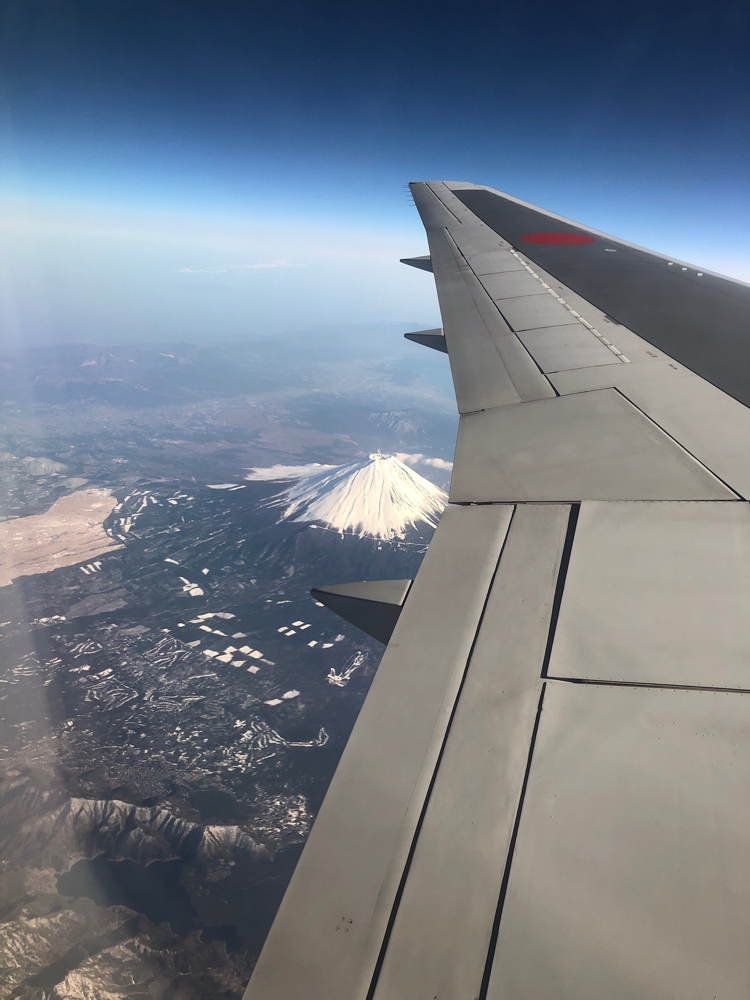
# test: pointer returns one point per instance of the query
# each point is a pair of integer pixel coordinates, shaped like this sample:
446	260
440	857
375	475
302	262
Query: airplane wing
546	795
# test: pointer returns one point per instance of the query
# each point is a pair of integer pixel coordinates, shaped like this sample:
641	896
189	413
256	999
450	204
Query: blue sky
157	153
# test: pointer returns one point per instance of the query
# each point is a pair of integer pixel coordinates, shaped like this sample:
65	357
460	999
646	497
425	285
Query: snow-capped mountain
375	497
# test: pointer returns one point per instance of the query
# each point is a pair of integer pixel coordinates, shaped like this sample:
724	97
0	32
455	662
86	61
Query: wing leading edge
545	794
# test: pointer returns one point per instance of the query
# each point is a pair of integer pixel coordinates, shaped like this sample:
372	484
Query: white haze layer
378	497
278	472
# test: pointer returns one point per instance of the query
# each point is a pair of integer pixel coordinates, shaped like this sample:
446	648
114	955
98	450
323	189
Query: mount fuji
376	497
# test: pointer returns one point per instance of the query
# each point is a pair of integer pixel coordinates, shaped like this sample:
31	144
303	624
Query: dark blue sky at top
191	116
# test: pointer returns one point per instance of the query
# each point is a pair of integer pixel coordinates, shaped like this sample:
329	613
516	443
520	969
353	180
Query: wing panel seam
679	444
495	933
522	347
428	796
562	575
442	204
550	291
606	682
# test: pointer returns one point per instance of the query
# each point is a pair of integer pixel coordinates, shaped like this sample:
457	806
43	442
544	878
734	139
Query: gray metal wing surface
547	793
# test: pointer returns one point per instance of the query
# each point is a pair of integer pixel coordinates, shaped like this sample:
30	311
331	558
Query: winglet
429	338
423	263
372	607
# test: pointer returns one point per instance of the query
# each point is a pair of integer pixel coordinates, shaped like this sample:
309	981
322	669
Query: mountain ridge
374	497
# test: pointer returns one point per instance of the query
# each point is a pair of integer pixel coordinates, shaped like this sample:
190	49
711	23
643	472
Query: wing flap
509	284
674	612
494	262
706	421
574	380
560	348
589	446
442	931
629	876
329	928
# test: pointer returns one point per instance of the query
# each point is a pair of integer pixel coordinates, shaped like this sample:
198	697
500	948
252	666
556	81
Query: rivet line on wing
571	310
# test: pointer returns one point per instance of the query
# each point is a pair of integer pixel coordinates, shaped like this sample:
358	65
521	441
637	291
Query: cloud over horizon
237	267
416	459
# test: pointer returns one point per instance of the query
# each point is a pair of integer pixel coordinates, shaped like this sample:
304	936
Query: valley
175	703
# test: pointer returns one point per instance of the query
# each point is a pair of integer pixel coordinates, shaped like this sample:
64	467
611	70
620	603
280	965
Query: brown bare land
69	532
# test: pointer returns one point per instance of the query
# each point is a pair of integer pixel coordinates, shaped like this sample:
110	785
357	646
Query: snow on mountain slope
376	497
